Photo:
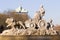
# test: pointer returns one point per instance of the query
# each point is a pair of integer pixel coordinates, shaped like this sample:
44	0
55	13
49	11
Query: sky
52	7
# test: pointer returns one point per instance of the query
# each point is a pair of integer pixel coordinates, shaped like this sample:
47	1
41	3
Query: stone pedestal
46	37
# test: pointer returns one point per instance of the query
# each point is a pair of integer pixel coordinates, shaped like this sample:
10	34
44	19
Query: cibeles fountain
35	26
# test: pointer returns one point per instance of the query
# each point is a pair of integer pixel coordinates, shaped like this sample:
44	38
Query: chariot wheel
42	23
32	24
29	24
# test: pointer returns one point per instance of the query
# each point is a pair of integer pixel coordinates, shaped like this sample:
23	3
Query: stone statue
29	26
50	30
39	14
42	11
10	22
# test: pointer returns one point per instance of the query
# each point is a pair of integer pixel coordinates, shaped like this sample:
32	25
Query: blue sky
52	7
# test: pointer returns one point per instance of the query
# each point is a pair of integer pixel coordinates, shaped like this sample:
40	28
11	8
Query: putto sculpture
36	26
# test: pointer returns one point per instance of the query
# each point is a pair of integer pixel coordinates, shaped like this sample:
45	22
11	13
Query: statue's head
9	20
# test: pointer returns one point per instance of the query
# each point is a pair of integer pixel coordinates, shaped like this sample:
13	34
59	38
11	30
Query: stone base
46	37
